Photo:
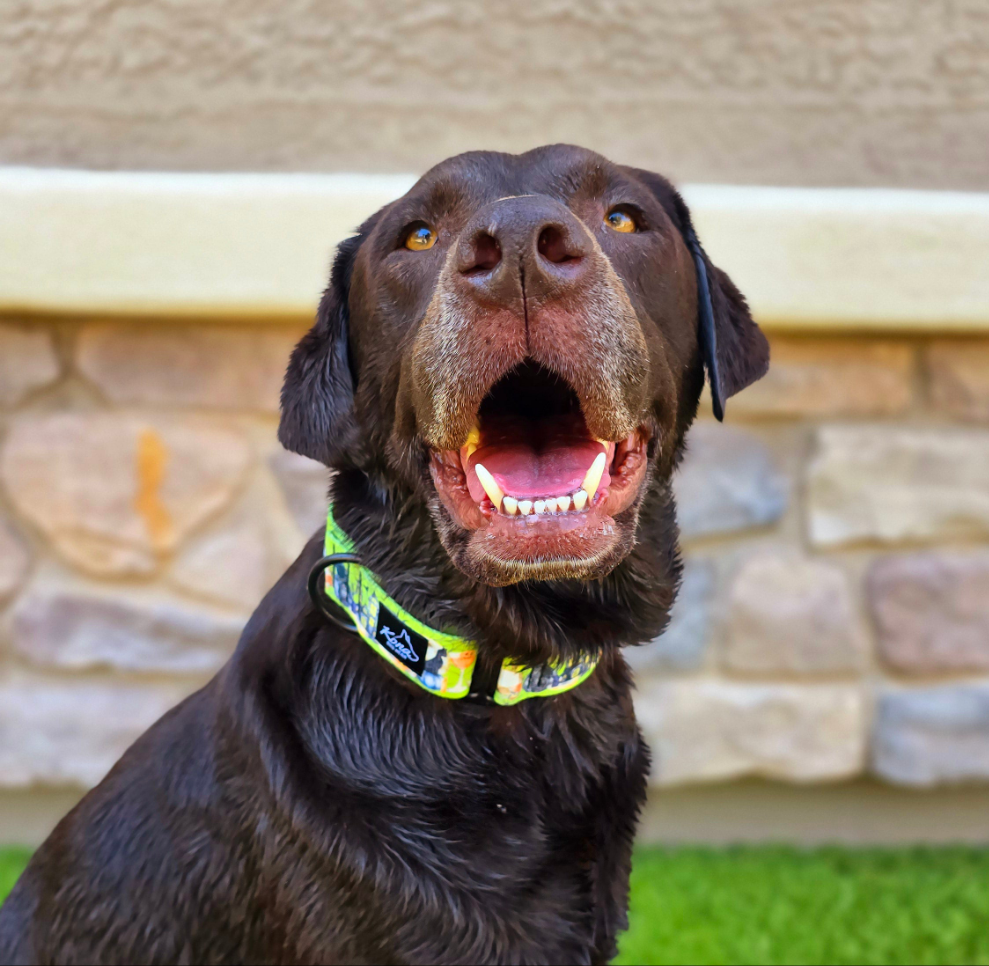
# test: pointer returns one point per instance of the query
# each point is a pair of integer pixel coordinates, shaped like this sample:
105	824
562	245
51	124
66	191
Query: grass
780	905
12	861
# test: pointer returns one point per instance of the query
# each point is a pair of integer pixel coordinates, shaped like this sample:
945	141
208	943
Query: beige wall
822	92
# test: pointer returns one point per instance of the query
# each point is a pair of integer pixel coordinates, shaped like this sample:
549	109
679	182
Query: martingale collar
441	663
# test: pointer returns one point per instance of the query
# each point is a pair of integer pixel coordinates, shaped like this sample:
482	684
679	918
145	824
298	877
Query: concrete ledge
858	813
855	813
259	245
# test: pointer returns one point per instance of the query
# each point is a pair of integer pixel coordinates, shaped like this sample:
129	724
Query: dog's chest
471	837
504	878
464	835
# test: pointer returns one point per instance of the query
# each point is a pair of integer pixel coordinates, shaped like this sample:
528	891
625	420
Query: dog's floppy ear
734	350
318	391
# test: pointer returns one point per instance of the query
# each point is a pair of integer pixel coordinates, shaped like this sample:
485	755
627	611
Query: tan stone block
232	565
830	377
896	483
219	366
932	611
27	362
788	614
59	732
959	377
711	730
14	560
114	493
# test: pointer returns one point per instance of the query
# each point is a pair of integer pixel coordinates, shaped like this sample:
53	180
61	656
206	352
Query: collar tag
441	663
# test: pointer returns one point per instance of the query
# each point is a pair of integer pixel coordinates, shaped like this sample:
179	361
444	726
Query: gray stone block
728	481
70	733
932	611
304	484
683	645
78	627
933	736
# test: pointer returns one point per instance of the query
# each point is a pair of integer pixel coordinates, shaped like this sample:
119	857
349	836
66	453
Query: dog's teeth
473	438
594	474
551	506
579	500
539	506
525	507
490	487
510	505
563	503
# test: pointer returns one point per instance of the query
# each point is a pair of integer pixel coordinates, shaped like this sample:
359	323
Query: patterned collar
441	663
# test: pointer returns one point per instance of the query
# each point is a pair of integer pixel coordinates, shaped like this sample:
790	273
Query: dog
424	748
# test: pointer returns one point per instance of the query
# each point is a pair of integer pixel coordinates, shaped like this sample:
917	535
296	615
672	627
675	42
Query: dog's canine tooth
473	438
490	487
563	503
510	505
594	474
525	507
579	500
539	506
551	505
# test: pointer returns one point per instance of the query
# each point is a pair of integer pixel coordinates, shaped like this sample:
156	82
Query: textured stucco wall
892	92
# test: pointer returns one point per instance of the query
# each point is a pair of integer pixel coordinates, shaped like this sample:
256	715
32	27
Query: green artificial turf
780	905
12	861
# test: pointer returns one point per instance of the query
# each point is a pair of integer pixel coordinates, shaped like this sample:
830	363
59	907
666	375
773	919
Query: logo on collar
400	640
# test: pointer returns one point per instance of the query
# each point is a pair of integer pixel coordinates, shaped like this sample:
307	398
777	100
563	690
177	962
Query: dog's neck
529	622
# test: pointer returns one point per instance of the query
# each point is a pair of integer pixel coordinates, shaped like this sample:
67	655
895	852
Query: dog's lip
625	475
545	461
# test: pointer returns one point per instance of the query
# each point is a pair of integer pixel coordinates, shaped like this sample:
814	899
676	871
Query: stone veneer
834	618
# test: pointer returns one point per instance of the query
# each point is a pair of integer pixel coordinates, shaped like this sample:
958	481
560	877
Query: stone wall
834	618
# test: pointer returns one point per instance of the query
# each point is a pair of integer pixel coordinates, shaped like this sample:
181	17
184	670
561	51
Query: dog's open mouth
533	477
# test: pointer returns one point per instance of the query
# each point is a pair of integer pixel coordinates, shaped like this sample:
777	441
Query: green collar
441	663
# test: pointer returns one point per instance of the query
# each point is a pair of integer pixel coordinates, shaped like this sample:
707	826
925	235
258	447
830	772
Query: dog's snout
529	241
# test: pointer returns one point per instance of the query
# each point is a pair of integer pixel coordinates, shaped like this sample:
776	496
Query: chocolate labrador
424	748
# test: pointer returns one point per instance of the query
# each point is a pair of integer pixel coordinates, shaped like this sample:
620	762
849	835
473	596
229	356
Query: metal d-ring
317	592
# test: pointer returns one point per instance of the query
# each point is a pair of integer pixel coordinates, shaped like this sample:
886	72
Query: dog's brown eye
420	238
619	221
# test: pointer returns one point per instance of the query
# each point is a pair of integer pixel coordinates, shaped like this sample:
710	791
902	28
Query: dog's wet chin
533	494
499	550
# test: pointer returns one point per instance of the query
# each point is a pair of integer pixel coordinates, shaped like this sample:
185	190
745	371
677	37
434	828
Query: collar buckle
325	604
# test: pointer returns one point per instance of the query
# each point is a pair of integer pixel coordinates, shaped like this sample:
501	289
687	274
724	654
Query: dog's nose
530	241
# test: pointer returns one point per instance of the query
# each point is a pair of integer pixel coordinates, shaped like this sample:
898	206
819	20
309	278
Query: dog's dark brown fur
312	806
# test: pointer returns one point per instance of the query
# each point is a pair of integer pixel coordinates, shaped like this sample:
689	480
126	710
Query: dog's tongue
534	458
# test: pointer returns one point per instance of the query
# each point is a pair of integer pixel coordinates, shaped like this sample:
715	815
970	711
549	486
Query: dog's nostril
552	245
486	255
